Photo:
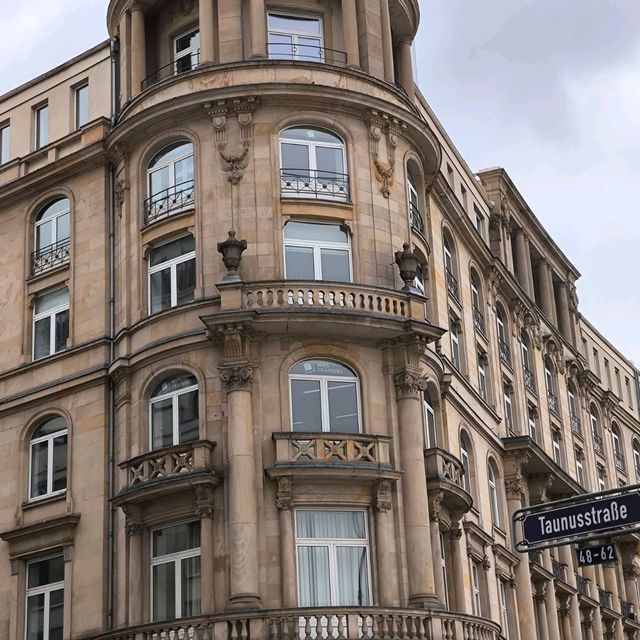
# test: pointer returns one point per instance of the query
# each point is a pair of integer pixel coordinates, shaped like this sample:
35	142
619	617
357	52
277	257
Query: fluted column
409	386
287	543
385	545
521	263
207	46
596	621
551	603
564	317
204	510
258	29
611	584
134	530
541	610
515	493
405	68
458	565
350	32
574	606
243	509
588	623
387	41
138	49
545	292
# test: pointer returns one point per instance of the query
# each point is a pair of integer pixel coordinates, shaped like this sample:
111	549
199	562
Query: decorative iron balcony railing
452	284
505	351
306	53
582	585
169	201
558	569
554	405
604	597
619	458
175	68
529	380
576	426
417	222
478	321
598	444
626	609
313	183
50	257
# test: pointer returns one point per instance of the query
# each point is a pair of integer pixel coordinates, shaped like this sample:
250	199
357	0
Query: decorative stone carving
234	163
233	337
435	506
514	487
409	384
383	496
284	495
236	377
382	126
133	520
204	502
118	195
539	485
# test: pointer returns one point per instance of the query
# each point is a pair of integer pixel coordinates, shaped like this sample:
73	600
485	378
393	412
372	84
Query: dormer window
294	37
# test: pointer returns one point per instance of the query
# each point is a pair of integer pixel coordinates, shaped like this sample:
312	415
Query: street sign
578	519
596	554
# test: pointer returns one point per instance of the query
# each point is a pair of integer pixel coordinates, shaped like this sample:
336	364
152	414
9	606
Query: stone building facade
275	362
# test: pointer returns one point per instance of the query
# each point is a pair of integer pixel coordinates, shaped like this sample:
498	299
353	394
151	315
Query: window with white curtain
45	599
504	607
175	571
173	411
493	495
466	465
50	323
443	568
332	551
475	587
429	417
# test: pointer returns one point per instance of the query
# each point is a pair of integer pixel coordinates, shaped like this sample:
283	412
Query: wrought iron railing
529	380
314	183
598	444
626	609
505	351
576	426
478	321
558	569
306	53
554	405
169	201
582	585
50	256
417	222
175	68
452	284
637	474
535	557
619	458
604	597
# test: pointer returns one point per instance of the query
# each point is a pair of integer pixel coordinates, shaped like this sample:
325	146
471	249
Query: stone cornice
40	536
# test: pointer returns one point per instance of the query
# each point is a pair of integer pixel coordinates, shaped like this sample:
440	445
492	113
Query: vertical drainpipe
111	400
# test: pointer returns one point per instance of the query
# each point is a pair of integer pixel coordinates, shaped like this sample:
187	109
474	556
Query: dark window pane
82	105
172	250
295	159
56	609
35	617
44	235
343	406
42	338
335	265
160	290
298	24
63	228
49	426
45	572
329	161
188	416
186	281
175	383
39	458
299	263
322	368
162	424
190	587
306	414
353	576
164	587
62	330
179	537
315	232
60	463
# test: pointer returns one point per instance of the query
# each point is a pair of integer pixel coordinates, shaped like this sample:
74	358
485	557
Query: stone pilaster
284	501
138	49
258	28
205	12
134	530
385	544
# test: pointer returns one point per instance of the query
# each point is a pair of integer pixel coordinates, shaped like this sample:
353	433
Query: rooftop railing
50	257
314	183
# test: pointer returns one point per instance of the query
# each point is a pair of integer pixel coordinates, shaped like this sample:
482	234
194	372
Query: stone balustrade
310	624
441	464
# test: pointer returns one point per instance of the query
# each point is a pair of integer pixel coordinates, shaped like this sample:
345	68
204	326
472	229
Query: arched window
173	412
170	182
430	425
415	216
598	443
48	459
503	344
476	303
324	396
493	494
51	238
616	442
636	459
312	164
467	464
450	269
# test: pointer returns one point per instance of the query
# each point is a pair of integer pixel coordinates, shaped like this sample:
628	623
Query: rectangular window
607	372
50	323
172	274
294	37
175	571
479	221
5	130
463	193
443	568
81	105
450	175
508	409
332	551
580	466
475	587
186	51
533	424
602	483
618	384
45	599
596	361
482	376
41	117
627	386
504	607
455	342
556	442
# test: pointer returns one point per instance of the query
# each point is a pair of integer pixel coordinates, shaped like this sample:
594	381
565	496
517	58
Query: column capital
236	376
204	502
133	522
383	496
409	383
284	494
514	487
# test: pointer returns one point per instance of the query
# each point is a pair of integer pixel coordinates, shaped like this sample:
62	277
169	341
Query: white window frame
171	165
189	52
466	467
40	143
593	419
317	247
533	424
51	314
475	294
331	544
171	264
5	142
428	412
615	442
601	477
579	467
493	496
508	406
295	55
175	421
49	439
443	568
479	221
636	459
47	590
324	395
176	558
448	257
78	123
573	410
502	334
482	377
53	221
524	350
556	444
455	342
476	597
549	380
504	607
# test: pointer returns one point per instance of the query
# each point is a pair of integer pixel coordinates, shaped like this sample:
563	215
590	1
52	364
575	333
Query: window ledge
36	502
48	278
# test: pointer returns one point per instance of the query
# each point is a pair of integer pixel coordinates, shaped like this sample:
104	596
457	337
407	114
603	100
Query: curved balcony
445	474
320	308
339	623
169	470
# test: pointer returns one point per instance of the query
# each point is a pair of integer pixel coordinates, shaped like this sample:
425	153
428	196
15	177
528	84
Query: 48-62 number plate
596	554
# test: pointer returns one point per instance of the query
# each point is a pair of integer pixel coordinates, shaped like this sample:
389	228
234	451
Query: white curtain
313	577
331	524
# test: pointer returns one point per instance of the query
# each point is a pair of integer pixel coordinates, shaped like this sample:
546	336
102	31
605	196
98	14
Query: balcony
626	609
558	570
445	473
604	598
314	184
167	470
582	585
452	285
535	557
505	352
417	223
50	257
306	53
341	623
478	321
529	380
554	405
325	455
576	426
169	202
598	444
175	68
619	459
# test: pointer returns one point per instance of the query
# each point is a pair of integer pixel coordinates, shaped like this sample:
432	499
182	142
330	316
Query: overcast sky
547	89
